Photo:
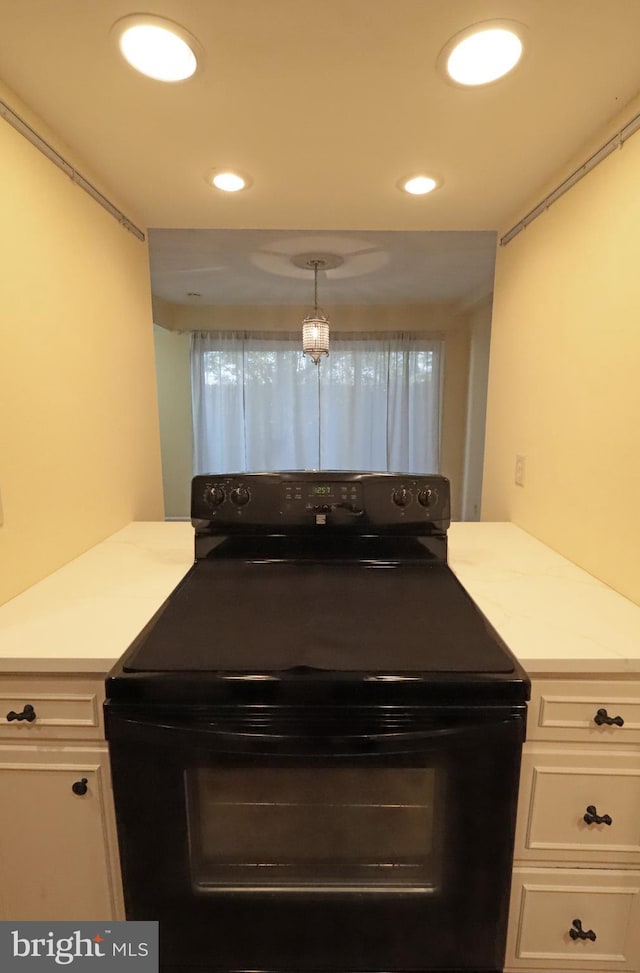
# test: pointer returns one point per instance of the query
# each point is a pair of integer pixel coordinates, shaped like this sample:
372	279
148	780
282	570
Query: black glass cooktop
267	616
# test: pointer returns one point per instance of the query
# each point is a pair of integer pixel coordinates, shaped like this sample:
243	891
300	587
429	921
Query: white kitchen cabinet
586	711
61	708
575	899
575	919
579	805
57	833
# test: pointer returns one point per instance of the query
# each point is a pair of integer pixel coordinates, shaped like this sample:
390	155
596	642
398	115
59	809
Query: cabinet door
56	843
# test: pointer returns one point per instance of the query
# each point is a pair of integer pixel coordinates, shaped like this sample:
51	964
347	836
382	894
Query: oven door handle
215	738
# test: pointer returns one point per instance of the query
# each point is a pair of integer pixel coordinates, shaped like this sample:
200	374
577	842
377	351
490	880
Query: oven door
275	841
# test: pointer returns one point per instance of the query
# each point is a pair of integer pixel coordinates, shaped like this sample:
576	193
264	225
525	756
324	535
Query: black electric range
315	743
309	586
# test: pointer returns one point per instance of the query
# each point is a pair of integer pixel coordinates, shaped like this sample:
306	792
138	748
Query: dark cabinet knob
28	714
577	932
592	816
602	717
80	787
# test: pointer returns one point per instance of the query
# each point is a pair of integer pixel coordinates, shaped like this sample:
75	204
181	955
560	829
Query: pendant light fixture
315	327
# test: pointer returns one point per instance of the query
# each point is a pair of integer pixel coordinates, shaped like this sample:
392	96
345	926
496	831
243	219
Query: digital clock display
322	491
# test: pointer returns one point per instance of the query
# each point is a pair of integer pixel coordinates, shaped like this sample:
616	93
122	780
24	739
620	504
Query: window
259	404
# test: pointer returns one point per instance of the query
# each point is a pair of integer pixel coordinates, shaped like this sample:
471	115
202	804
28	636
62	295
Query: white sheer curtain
259	404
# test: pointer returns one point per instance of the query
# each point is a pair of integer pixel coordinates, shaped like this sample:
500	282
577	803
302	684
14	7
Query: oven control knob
215	496
401	497
240	495
427	497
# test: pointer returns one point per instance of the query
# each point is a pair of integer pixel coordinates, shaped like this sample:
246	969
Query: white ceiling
254	267
325	105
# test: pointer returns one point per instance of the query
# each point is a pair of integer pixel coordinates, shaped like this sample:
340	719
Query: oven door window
358	829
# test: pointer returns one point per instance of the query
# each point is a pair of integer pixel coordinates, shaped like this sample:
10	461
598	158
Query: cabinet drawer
548	905
61	708
560	787
564	709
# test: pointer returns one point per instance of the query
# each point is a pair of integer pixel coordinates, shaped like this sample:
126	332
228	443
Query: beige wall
79	443
174	403
480	340
434	318
564	381
442	321
454	409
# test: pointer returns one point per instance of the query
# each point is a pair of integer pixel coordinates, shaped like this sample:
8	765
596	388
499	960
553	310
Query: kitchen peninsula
554	616
578	639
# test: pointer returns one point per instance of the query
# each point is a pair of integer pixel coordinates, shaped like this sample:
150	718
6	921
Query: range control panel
293	501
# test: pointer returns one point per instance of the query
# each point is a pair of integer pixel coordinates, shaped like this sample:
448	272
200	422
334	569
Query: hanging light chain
315	282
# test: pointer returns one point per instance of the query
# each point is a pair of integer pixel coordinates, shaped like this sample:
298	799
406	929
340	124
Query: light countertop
555	617
84	616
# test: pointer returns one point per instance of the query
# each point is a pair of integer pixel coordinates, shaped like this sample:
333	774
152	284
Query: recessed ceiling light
157	47
419	185
483	53
229	182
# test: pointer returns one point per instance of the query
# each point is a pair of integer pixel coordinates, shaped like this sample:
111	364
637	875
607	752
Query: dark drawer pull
80	787
577	932
28	714
592	816
603	717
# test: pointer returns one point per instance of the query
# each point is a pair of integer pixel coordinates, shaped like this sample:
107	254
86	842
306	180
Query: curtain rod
351	336
47	150
616	142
